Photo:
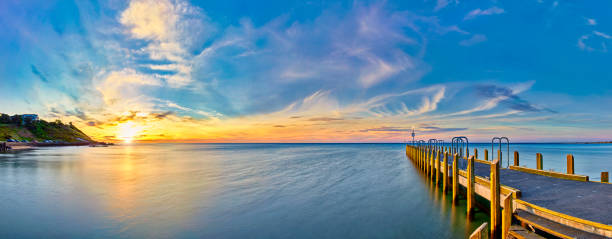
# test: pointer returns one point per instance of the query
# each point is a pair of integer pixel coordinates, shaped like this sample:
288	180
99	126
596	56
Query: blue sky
311	71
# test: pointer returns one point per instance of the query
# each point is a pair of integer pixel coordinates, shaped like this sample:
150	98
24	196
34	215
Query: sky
311	71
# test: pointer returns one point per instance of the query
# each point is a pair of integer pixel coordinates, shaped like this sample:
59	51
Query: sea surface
241	191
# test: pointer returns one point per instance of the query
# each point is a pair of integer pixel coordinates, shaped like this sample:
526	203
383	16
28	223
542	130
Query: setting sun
128	131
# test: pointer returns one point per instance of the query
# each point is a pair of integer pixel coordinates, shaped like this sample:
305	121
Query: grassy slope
42	131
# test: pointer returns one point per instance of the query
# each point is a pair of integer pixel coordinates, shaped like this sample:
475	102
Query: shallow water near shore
236	191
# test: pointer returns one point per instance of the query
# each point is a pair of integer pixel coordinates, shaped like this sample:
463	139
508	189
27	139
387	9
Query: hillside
17	128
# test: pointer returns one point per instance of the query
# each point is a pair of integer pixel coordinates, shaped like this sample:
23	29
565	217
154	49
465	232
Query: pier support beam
570	164
539	163
486	155
455	178
470	187
516	158
495	195
475	153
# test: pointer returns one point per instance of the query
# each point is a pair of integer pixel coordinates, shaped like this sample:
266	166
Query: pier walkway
542	203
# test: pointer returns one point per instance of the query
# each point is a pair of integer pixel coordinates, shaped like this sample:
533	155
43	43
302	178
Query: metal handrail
499	139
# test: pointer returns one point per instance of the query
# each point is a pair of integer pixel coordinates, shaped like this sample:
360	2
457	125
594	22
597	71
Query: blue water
235	191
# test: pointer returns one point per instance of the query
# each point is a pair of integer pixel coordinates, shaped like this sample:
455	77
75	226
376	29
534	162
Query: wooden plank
576	177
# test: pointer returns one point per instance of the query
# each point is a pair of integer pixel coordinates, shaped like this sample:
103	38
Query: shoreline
15	147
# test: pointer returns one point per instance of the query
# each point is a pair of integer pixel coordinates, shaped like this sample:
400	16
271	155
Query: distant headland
24	131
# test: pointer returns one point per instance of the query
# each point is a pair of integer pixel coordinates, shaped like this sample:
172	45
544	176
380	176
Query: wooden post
475	153
507	216
539	163
455	178
437	168
516	158
470	187
433	165
486	155
604	177
495	195
570	164
445	174
428	163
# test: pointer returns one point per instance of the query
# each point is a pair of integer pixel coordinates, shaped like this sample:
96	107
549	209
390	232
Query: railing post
475	153
486	155
495	195
539	163
604	177
570	164
516	158
470	187
445	174
455	177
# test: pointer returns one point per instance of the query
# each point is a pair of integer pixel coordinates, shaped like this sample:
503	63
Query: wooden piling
455	178
437	168
445	174
495	195
570	164
539	163
604	177
427	162
470	187
516	158
475	153
486	158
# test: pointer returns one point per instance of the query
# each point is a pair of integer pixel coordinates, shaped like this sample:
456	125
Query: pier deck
588	200
562	205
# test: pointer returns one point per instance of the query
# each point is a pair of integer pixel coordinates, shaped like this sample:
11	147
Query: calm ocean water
240	191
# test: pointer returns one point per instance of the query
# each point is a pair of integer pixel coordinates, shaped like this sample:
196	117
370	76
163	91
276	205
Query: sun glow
128	131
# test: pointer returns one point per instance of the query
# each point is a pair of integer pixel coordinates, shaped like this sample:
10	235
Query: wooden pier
523	202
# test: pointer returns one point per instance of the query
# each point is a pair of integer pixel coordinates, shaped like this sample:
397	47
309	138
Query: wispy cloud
479	12
595	41
591	21
475	39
